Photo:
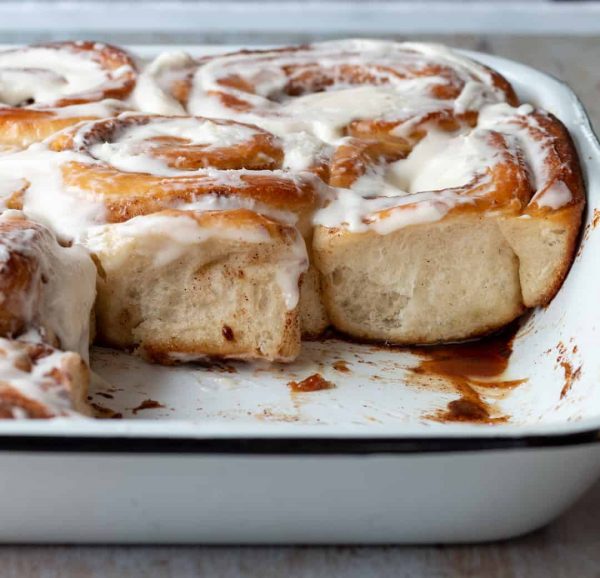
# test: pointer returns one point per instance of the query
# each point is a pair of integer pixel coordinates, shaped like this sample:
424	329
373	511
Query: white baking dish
234	457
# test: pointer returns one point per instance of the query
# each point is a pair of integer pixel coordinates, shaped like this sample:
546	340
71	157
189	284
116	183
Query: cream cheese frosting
42	75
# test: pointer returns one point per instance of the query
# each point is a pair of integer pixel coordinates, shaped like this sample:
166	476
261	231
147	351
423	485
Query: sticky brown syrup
147	404
315	382
469	368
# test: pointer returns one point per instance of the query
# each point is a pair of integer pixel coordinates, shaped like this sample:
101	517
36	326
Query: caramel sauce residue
103	412
571	374
469	367
147	404
341	366
314	382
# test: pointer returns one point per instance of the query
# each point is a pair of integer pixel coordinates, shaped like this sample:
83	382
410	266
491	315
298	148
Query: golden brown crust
20	127
565	167
154	193
562	161
562	170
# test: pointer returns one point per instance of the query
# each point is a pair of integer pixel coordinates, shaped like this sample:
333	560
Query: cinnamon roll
323	86
47	87
184	285
140	164
457	239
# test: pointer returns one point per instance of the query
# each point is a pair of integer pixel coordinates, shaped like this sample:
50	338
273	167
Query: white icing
301	151
441	161
47	199
151	92
359	214
125	153
69	296
473	96
555	196
46	75
327	112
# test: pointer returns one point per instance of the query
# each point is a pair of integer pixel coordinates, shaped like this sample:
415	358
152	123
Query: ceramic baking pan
394	451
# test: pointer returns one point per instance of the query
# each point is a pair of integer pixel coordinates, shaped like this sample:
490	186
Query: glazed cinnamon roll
137	166
181	285
457	239
327	88
47	87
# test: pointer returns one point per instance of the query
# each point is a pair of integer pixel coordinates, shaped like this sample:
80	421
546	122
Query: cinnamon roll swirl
140	164
47	87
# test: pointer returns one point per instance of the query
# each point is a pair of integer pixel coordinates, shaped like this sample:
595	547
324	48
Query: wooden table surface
570	547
